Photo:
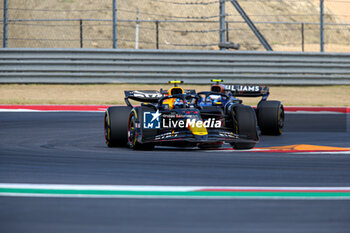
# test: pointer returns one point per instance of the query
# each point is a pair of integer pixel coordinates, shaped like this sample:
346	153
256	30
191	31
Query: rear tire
245	123
116	126
270	117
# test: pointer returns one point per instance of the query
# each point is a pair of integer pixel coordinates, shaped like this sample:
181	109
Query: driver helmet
214	98
208	99
178	103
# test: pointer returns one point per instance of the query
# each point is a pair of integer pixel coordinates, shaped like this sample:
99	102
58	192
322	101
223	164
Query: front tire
135	116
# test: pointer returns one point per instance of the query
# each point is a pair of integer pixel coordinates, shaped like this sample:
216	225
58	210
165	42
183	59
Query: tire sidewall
244	124
115	126
137	113
270	117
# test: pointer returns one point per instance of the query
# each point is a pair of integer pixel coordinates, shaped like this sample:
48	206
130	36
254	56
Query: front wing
176	136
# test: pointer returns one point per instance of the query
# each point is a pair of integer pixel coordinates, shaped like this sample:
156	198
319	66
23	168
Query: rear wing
186	91
144	96
247	90
190	91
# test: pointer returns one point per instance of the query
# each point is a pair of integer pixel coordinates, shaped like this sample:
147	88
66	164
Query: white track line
160	188
174	197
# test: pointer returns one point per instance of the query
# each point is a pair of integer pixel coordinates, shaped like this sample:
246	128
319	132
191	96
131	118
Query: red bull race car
184	118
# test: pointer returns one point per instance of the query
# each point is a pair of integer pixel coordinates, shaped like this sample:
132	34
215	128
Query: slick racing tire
116	126
270	116
136	115
244	124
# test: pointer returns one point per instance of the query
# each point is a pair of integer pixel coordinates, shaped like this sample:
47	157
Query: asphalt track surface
69	148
